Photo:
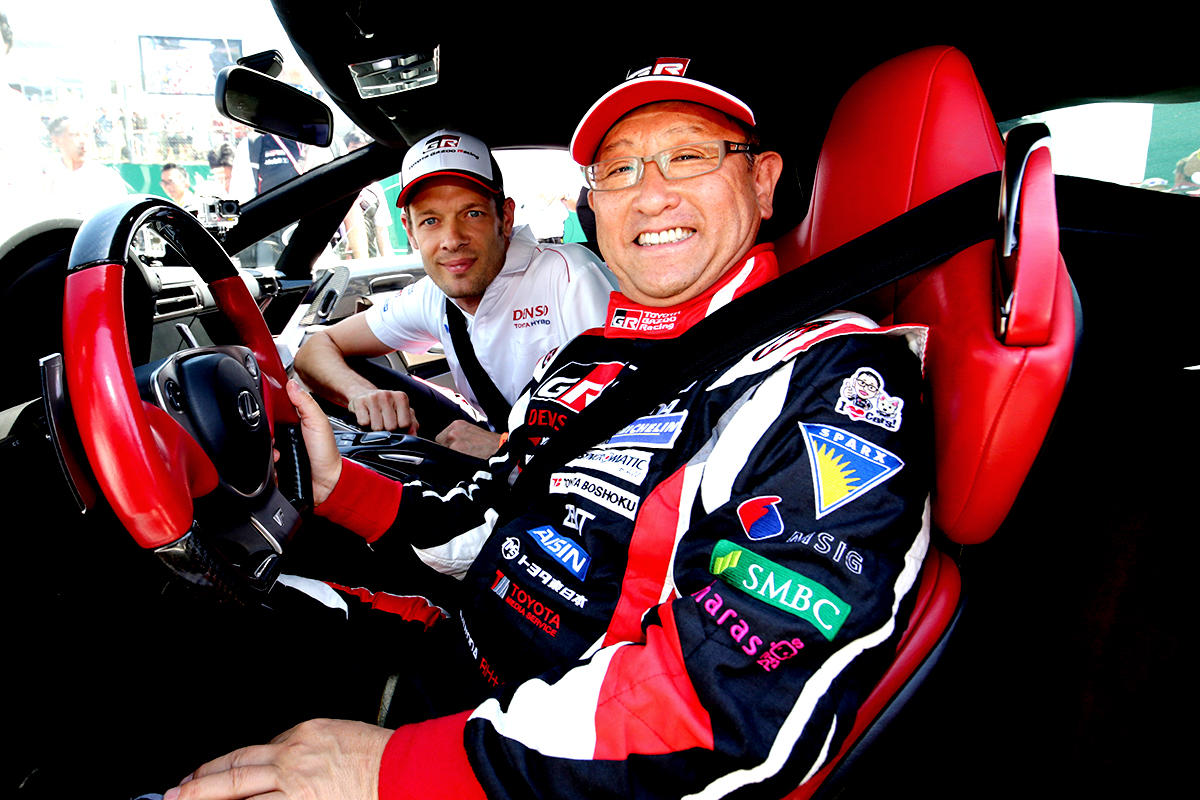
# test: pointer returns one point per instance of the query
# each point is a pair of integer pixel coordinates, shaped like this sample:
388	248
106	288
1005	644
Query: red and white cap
449	153
662	82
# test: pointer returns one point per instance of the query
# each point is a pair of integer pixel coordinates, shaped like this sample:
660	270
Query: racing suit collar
629	320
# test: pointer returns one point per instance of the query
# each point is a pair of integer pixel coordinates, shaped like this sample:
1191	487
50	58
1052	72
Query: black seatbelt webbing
493	402
919	238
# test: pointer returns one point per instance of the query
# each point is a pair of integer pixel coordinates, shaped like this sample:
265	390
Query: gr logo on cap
665	80
449	153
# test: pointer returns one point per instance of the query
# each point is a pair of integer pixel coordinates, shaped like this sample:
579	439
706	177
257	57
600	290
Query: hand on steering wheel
325	459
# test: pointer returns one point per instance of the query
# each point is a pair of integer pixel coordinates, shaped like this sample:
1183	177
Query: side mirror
266	104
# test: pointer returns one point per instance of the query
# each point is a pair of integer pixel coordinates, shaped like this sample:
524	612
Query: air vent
176	300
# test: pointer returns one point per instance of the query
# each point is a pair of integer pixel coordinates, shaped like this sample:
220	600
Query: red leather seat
907	131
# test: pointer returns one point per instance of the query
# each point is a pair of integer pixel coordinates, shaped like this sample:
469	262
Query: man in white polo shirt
515	299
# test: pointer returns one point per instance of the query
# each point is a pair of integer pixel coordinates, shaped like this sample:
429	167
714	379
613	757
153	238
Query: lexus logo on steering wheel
248	408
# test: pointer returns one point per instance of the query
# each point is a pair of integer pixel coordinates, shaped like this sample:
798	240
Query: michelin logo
658	431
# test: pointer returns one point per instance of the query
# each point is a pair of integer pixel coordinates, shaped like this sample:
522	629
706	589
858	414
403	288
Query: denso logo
532	312
442	142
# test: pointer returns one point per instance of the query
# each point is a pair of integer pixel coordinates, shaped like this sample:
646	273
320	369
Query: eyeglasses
675	163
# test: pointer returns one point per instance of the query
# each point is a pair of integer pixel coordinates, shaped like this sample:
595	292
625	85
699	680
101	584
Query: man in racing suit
699	602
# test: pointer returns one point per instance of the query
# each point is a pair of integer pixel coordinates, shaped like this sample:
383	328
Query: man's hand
325	462
321	364
471	439
383	410
321	758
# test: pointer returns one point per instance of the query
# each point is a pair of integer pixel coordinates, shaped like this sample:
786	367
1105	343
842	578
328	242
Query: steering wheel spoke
183	456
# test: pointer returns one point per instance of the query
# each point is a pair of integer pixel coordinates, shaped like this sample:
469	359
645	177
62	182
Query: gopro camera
217	215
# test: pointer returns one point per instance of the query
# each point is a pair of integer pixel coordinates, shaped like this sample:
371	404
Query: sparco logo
442	142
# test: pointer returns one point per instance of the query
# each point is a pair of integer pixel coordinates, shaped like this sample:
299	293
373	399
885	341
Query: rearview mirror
272	106
268	62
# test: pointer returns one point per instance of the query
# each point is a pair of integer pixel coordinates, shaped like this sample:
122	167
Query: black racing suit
698	604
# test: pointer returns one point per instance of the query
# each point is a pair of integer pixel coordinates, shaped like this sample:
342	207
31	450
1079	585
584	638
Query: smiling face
462	236
669	241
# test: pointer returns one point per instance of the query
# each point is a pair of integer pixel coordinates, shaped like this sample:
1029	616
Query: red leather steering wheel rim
148	467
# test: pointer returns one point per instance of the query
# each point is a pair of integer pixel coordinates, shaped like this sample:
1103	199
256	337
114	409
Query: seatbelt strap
919	238
489	397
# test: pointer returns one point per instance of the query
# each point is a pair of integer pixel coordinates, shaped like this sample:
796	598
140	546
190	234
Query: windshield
108	105
103	105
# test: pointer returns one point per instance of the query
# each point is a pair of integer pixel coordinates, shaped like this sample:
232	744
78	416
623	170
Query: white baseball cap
448	152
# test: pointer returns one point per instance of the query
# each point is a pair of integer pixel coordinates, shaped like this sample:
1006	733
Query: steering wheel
185	460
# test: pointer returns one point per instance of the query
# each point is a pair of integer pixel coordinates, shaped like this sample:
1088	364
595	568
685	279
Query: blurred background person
24	157
177	185
79	185
220	165
368	224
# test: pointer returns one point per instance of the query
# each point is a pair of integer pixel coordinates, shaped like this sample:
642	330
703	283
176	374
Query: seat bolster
991	418
938	596
864	178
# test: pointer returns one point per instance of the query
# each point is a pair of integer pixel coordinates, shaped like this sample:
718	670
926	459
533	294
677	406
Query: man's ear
508	214
407	227
768	167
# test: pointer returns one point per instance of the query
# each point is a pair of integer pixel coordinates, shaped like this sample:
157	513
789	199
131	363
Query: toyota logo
248	408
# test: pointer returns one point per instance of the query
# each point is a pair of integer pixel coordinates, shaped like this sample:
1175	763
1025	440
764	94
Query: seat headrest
881	158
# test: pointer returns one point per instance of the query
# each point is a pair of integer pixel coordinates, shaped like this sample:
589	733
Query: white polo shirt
544	296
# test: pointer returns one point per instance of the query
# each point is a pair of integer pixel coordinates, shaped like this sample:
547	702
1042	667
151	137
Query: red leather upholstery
937	603
909	130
